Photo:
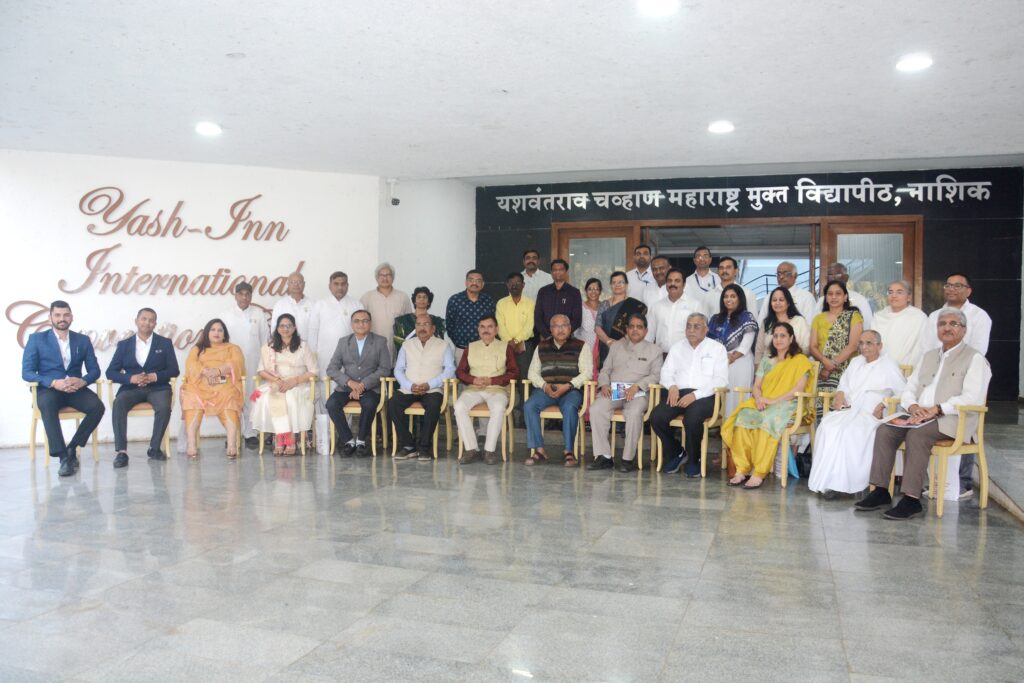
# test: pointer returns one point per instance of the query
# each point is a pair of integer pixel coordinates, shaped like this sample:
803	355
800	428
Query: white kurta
856	299
331	320
979	328
533	283
292	411
902	333
844	443
641	285
300	310
667	322
250	331
653	296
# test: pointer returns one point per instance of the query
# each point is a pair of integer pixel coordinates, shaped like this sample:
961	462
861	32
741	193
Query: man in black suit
143	365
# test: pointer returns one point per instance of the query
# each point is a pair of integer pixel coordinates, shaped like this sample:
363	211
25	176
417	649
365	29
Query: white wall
332	219
430	237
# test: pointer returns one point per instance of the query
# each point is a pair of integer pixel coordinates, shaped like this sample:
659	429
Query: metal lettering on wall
945	188
115	215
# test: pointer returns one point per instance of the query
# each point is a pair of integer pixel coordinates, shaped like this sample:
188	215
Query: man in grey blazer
359	362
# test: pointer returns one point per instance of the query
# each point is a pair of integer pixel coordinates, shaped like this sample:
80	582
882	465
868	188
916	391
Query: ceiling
500	92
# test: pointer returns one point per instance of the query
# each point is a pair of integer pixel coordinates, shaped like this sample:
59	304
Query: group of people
691	334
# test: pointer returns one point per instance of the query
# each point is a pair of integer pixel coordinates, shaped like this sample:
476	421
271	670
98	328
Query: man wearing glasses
804	300
957	290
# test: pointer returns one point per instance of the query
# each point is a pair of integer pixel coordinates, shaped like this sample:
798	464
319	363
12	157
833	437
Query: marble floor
327	569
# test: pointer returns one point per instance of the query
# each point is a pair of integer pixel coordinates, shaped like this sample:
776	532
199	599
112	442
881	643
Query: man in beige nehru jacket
424	363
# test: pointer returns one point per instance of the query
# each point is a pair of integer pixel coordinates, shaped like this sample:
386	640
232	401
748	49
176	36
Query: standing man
54	358
331	320
702	281
533	277
515	326
804	300
641	280
359	362
558	298
424	364
837	271
668	316
296	304
956	291
728	274
695	367
660	266
385	303
247	326
143	364
902	325
464	310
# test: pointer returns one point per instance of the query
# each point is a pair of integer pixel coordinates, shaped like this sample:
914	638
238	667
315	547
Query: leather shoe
362	450
490	457
601	462
348	449
469	456
406	453
156	454
120	460
75	462
252	443
905	509
66	466
877	499
628	466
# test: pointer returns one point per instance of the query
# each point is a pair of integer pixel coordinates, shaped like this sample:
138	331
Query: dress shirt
552	301
641	283
248	329
856	299
359	344
331	320
979	328
631	363
447	370
703	284
653	296
65	348
301	310
804	300
515	321
702	369
142	349
668	321
533	283
585	365
462	317
974	391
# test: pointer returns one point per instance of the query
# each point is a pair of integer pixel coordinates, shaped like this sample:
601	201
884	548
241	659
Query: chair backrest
907	370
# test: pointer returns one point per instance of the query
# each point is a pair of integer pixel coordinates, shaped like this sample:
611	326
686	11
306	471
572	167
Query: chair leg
32	440
167	442
943	464
785	462
95	447
982	477
448	429
302	442
704	454
504	431
437	430
892	483
394	440
259	435
614	429
932	467
331	431
373	437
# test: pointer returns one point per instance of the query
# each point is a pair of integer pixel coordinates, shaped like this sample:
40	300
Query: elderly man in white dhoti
845	439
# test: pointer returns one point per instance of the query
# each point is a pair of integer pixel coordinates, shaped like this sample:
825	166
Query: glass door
875	252
594	250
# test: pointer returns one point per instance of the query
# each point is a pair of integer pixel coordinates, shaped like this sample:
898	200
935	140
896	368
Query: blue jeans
569	404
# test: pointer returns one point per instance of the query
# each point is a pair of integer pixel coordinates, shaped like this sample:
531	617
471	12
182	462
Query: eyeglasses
783	273
890	292
954	285
361	321
695	326
865	342
951	323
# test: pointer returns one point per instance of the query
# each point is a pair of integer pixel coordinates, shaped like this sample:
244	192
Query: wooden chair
619	418
302	435
144	409
418	409
579	444
716	420
66	413
353	408
481	410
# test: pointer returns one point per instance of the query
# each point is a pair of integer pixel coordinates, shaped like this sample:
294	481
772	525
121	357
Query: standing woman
835	334
283	406
405	325
213	370
591	306
614	313
781	309
735	327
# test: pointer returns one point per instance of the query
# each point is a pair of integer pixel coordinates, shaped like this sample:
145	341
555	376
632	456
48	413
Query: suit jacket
346	363
41	362
161	360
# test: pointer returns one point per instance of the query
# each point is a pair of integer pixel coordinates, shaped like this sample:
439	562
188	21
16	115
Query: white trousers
496	404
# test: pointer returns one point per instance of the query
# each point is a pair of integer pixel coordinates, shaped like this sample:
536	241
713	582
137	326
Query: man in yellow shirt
515	326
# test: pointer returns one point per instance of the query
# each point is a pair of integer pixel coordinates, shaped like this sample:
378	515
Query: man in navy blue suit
143	365
54	359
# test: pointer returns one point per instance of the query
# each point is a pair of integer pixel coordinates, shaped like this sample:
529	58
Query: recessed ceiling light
915	61
208	128
657	8
721	127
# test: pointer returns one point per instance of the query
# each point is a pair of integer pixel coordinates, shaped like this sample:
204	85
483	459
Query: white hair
383	266
954	312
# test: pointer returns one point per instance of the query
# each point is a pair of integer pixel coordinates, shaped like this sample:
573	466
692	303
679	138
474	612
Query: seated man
486	369
560	367
359	362
424	364
845	438
694	368
143	365
54	358
953	375
635	363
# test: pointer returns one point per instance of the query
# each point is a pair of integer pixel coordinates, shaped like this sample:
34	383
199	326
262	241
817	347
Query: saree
613	319
731	333
213	399
405	325
753	435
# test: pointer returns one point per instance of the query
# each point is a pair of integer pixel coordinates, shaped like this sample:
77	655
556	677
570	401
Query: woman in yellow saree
212	371
753	431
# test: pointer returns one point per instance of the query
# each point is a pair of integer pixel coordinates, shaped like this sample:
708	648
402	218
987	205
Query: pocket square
158	350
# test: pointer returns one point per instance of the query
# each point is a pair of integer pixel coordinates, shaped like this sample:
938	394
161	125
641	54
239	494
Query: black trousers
432	411
693	426
84	400
129	397
336	409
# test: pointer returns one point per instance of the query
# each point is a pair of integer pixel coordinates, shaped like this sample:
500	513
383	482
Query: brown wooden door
594	249
876	250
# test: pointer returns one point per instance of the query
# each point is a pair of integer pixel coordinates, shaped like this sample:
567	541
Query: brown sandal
537	458
570	460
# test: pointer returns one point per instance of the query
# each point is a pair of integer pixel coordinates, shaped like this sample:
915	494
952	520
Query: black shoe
905	509
469	456
75	462
120	460
424	456
348	449
66	466
490	458
601	462
628	466
362	450
673	465
876	500
156	454
693	475
252	443
406	453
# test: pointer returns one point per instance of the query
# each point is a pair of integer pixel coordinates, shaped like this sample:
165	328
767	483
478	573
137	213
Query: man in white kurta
331	320
295	303
901	325
837	271
659	268
668	317
844	443
248	328
804	300
957	290
533	277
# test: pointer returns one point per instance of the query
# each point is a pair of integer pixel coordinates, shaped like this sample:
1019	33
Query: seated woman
211	387
781	309
405	325
735	327
835	334
845	440
752	433
613	315
282	403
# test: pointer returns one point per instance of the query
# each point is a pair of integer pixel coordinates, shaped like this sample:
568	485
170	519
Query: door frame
561	233
911	226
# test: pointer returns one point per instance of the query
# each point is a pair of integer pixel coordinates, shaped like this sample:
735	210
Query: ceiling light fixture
208	128
721	127
915	61
657	8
